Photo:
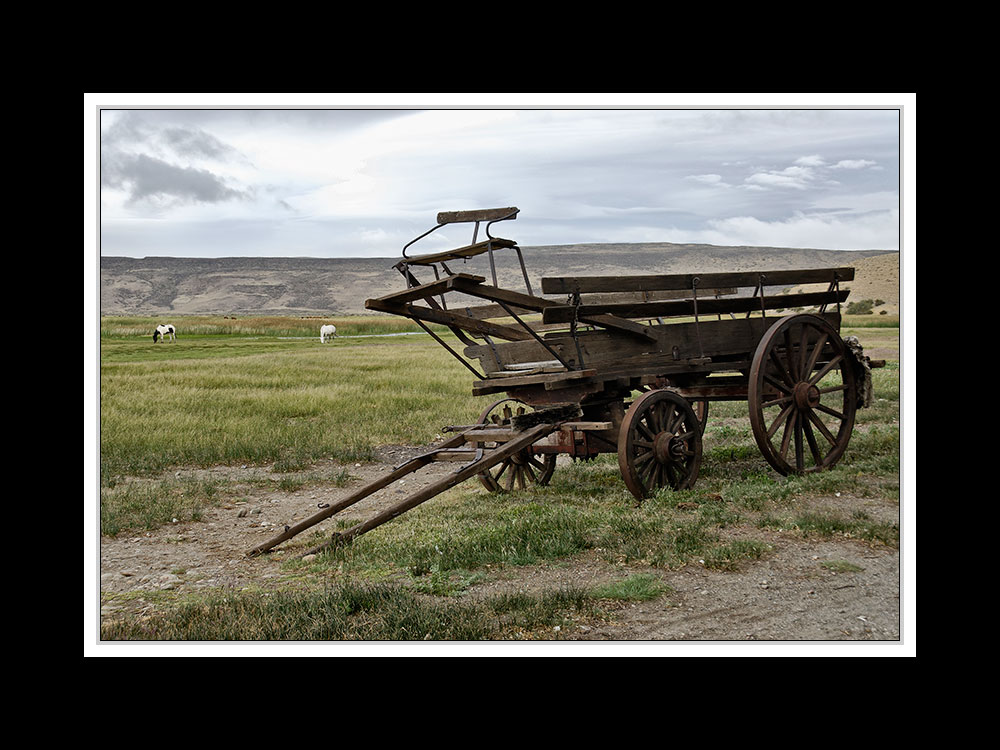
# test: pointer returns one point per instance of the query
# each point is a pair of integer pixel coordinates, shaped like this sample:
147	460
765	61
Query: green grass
351	612
841	566
300	410
634	588
296	402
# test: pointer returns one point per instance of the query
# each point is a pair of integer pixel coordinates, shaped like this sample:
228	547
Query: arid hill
340	286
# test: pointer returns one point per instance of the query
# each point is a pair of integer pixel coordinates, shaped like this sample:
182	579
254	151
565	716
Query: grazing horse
326	332
164	330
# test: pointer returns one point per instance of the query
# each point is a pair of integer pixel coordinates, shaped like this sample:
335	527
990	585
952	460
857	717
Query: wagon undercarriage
626	365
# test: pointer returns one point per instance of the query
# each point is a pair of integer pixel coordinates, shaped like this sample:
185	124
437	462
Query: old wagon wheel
522	468
700	406
659	444
802	395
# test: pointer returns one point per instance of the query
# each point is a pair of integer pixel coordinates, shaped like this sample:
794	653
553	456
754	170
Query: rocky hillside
340	286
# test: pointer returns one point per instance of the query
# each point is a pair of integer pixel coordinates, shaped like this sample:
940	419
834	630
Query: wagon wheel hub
806	396
668	448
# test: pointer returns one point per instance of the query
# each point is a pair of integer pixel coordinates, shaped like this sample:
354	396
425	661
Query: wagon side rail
698	288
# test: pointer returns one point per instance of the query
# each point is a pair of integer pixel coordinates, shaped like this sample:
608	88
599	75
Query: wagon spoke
822	428
799	455
783	387
811	439
673	420
803	349
647	472
833	389
671	475
787	435
529	473
775	402
782	371
510	479
777	422
826	368
662	418
537	464
814	357
643	458
647	433
790	355
832	412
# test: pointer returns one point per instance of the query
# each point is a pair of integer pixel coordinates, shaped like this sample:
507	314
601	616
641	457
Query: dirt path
805	590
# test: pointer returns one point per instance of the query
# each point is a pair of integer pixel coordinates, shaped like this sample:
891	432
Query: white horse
326	332
164	330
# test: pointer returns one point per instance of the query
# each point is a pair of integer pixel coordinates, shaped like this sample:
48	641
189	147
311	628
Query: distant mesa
233	287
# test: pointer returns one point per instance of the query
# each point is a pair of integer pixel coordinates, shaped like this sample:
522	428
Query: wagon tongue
466	447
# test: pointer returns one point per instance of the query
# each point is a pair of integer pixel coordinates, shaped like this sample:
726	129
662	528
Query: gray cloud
160	163
196	142
145	177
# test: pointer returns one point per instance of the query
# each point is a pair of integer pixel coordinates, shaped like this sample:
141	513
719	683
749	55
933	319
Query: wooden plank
583	284
546	377
454	454
449	318
485	312
565	313
430	289
482	214
655	296
713	338
468	251
586	426
537	304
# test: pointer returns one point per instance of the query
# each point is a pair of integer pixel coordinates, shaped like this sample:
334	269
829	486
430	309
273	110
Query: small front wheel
659	444
522	468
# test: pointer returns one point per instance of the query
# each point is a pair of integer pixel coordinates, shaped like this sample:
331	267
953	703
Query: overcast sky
363	182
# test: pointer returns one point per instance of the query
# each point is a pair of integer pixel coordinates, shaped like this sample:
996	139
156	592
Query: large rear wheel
802	395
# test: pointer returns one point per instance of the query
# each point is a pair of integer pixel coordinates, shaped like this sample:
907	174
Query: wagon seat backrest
439	261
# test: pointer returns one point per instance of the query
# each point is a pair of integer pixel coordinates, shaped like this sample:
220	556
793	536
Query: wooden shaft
407	468
477	467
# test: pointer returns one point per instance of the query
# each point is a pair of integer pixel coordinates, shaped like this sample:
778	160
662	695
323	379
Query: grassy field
265	392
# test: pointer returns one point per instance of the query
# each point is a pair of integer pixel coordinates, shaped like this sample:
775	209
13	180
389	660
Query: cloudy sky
364	180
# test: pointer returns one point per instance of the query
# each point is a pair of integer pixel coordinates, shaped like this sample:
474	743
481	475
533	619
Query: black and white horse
164	330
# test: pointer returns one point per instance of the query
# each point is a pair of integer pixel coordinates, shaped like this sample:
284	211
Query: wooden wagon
626	365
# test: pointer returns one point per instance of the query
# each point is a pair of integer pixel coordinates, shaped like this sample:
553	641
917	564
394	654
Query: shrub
864	307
